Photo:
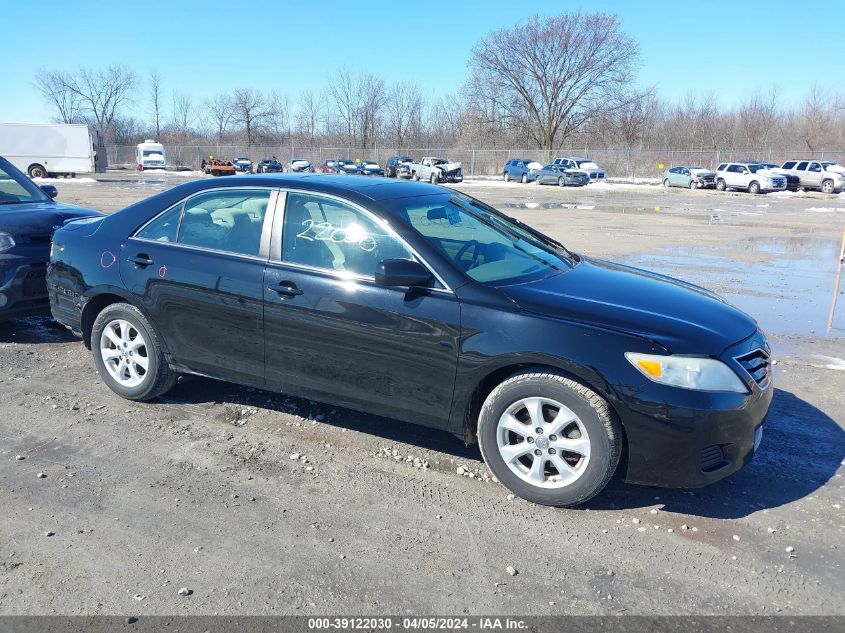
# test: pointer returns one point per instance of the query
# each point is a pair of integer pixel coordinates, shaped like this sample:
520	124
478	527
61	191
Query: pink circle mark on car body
162	271
107	259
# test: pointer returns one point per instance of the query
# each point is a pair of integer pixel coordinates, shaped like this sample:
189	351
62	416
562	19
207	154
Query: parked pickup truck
436	170
816	174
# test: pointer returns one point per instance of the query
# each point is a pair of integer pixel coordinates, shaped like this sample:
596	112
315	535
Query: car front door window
325	233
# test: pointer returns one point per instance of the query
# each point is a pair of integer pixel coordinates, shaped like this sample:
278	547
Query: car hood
38	218
682	317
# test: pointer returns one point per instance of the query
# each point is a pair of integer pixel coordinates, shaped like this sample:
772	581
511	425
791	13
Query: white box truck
52	149
149	155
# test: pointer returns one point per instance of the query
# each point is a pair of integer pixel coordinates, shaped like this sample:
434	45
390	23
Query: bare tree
218	112
156	101
253	110
554	72
182	112
814	118
372	98
343	92
54	89
404	112
99	93
309	114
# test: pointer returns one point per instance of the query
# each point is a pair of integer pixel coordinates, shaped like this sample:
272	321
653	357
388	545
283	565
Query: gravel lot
257	503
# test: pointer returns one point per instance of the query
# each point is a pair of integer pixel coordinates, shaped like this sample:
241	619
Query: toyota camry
419	303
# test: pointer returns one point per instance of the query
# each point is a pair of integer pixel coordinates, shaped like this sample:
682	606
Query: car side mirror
402	272
50	190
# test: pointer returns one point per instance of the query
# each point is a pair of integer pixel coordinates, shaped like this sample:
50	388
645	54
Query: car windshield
152	152
486	244
242	160
16	188
755	168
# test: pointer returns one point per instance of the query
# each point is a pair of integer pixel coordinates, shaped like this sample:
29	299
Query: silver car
561	176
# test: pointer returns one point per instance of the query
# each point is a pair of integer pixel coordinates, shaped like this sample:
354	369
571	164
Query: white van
150	155
52	149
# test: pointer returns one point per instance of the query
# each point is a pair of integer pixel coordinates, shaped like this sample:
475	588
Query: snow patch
86	181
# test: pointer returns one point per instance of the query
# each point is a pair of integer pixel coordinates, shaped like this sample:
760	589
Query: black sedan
28	215
422	304
269	166
345	167
561	176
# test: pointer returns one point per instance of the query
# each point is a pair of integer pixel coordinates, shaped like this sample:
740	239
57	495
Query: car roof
370	187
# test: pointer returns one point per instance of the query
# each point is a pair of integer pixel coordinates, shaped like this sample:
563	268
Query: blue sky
720	47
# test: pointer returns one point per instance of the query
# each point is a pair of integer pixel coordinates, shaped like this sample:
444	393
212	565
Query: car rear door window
225	220
326	233
165	227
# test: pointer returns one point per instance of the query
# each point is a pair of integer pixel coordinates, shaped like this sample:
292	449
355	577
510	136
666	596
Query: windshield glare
16	188
487	245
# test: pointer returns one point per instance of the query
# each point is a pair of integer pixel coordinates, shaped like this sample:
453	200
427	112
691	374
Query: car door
814	175
197	270
333	334
801	170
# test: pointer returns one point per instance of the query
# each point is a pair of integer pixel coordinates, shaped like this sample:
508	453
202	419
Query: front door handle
141	260
286	289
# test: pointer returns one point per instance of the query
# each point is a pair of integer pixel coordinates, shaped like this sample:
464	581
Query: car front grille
758	365
779	182
708	178
712	458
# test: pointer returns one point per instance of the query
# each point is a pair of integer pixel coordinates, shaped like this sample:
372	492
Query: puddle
786	284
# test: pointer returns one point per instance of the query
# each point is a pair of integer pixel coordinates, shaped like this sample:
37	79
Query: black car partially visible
397	167
28	217
268	166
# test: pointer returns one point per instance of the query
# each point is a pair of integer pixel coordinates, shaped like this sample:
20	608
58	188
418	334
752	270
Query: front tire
129	355
506	177
549	439
721	185
524	178
693	185
433	178
666	183
560	182
754	187
827	186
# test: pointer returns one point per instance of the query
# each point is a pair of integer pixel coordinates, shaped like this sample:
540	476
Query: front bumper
23	288
688	439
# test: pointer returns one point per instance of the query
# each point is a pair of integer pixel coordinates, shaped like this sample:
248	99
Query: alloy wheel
543	442
124	353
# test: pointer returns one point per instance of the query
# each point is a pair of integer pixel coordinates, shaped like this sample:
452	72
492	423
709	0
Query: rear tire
666	183
560	182
433	178
37	171
721	185
120	355
578	455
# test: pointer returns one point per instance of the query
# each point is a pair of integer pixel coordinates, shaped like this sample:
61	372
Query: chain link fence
618	162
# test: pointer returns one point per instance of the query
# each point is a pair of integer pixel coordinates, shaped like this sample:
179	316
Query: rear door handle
141	260
286	289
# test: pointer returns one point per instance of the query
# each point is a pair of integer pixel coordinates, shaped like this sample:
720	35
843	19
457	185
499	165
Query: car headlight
7	242
687	372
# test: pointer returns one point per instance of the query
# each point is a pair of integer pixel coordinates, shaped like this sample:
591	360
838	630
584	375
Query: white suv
752	177
817	174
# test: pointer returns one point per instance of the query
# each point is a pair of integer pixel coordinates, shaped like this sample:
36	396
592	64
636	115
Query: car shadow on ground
196	390
34	330
802	449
